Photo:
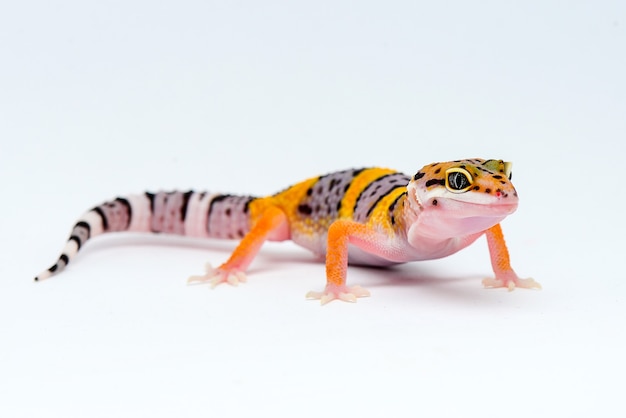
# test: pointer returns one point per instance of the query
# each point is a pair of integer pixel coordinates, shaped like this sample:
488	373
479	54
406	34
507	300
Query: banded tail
193	214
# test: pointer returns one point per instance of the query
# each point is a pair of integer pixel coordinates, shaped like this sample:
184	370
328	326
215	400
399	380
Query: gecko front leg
340	234
500	261
272	224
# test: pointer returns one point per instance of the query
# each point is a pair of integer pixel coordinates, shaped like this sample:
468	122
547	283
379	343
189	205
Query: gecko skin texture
369	216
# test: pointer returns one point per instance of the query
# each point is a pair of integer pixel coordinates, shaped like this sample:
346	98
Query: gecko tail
54	269
188	213
112	216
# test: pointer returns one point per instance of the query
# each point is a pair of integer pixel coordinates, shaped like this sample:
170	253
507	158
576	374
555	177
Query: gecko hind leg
272	224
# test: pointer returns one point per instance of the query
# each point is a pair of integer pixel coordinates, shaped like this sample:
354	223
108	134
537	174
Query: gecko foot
332	292
511	283
218	276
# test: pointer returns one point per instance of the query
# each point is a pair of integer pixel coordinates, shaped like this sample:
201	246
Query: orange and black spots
435	182
395	202
368	182
320	198
246	207
499	178
372	195
305	210
326	196
418	175
394	205
314	204
388	210
333	183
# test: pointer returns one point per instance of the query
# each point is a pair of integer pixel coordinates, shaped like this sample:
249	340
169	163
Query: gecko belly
357	256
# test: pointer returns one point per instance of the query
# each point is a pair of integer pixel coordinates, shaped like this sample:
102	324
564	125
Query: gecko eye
458	180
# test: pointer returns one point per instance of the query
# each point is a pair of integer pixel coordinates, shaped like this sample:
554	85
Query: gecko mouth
463	209
448	218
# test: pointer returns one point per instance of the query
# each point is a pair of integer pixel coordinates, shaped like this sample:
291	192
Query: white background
102	98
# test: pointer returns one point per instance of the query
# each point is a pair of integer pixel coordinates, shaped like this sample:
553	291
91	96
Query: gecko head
462	197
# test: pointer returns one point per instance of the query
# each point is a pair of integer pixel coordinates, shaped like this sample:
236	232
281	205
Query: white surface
105	98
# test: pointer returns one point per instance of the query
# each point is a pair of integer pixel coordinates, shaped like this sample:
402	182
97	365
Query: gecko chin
470	225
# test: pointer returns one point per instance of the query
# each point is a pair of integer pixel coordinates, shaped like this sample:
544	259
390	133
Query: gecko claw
232	279
324	299
528	284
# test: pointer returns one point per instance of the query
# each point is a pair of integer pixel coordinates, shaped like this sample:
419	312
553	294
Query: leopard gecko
370	216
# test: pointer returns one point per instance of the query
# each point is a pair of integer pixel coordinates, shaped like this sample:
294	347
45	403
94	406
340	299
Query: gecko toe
215	277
